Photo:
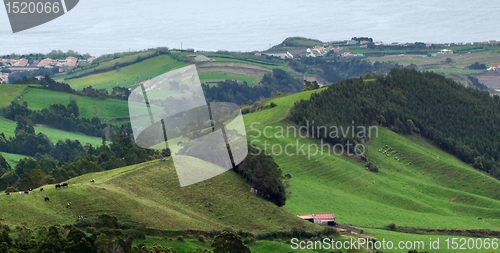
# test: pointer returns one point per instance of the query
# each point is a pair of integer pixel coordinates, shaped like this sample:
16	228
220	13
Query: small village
9	66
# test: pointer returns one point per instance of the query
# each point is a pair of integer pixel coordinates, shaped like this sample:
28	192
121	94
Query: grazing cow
64	184
58	186
92	181
30	189
8	193
41	189
69	205
20	193
47	199
26	192
80	217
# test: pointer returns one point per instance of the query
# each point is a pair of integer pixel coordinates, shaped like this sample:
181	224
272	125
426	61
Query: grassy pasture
105	109
150	194
8	92
126	76
417	186
8	127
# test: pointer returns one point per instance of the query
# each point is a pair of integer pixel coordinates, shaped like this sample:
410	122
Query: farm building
446	51
320	219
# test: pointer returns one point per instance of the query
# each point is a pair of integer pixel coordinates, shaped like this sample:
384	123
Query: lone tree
229	242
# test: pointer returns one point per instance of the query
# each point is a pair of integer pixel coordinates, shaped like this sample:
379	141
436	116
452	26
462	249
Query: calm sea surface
106	26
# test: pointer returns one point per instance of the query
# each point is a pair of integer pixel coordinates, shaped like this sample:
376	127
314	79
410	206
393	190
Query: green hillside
8	93
435	191
105	109
12	159
8	127
128	75
106	62
150	194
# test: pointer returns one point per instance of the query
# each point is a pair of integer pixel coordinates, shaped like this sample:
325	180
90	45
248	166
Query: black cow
26	192
92	181
69	205
8	193
64	184
58	186
41	189
47	199
30	190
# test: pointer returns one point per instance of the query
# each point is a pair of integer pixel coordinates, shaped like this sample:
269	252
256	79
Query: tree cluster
272	83
310	85
334	69
461	120
49	83
67	159
58	116
477	84
29	77
362	39
90	235
477	65
264	175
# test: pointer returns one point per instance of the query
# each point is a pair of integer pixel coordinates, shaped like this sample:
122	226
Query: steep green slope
435	191
150	194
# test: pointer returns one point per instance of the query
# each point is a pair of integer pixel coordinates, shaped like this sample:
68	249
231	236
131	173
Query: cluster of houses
14	65
322	50
316	51
49	63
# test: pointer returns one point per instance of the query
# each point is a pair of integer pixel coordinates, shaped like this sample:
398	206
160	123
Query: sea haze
100	27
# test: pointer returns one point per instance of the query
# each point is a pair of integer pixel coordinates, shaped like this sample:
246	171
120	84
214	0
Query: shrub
392	226
328	231
372	167
11	189
201	238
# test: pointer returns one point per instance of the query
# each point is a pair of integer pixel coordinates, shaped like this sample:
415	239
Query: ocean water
100	27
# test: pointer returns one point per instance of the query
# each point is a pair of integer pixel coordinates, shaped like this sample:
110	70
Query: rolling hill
127	76
149	194
418	186
8	127
423	187
106	109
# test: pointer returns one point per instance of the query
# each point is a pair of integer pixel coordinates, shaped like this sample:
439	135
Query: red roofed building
48	63
71	61
20	63
320	219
